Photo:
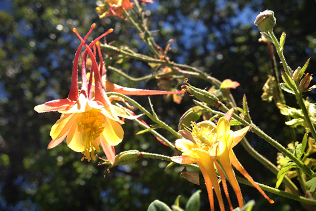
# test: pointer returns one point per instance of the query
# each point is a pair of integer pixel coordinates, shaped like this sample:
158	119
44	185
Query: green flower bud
265	21
127	157
202	95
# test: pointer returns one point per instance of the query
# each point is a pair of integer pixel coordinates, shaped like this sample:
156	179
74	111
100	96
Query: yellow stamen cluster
204	137
91	125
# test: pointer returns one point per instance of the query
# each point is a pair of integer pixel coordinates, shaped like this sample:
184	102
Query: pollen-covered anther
91	125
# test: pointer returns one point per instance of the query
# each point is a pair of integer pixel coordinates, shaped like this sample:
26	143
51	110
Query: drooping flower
115	7
210	146
89	118
86	122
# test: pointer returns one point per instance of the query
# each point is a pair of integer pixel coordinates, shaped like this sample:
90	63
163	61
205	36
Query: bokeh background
218	37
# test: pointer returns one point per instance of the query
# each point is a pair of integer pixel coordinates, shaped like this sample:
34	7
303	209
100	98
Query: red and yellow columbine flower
115	7
88	118
211	146
86	122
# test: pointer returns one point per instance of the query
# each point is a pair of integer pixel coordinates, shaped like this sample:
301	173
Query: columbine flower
87	123
210	146
88	118
115	7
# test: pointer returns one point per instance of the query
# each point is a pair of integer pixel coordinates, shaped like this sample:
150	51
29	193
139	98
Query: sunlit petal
209	186
113	132
222	126
241	169
184	159
75	140
221	173
62	126
110	87
184	144
207	163
54	105
239	135
109	151
56	142
227	167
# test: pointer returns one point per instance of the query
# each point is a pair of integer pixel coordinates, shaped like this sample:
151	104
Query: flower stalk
295	88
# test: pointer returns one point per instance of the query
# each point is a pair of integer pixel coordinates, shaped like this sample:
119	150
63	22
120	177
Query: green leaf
300	75
300	148
247	207
158	206
193	203
267	36
246	108
286	88
288	80
234	122
176	208
282	173
191	115
311	186
177	201
282	40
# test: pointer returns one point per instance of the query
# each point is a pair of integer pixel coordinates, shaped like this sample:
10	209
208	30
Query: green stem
279	192
166	158
268	139
155	133
147	113
276	144
145	34
297	93
146	77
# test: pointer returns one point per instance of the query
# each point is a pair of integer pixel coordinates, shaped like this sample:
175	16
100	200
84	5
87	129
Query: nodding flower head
210	146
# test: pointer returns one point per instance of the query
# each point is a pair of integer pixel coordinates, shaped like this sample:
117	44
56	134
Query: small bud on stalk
127	157
265	21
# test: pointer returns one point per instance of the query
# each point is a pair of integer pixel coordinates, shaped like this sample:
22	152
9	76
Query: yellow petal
238	135
62	126
222	127
75	139
206	125
221	173
184	159
227	167
184	145
206	162
113	132
241	169
209	186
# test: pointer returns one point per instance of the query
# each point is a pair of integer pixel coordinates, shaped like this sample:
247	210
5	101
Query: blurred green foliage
37	49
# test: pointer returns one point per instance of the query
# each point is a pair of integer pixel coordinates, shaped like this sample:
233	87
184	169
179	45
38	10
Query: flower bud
304	84
127	157
265	21
202	95
296	74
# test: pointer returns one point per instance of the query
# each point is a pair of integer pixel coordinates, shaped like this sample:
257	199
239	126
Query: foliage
219	39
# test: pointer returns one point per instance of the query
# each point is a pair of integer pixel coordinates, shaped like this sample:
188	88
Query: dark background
218	37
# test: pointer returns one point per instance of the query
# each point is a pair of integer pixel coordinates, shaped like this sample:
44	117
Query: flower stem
276	144
155	133
147	113
145	34
166	158
296	91
279	192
